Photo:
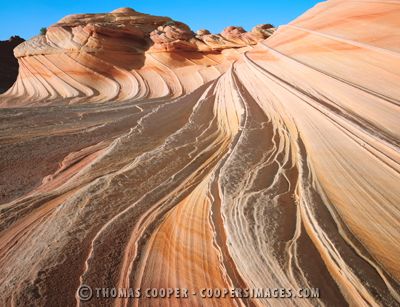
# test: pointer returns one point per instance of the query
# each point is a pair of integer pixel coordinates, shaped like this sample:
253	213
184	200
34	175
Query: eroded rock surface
118	56
213	163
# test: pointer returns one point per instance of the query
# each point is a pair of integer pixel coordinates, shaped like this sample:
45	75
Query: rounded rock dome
124	10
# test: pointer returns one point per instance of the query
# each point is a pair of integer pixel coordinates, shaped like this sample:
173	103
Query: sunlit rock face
120	56
213	163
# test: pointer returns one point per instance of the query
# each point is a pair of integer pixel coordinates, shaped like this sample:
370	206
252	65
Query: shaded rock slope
9	64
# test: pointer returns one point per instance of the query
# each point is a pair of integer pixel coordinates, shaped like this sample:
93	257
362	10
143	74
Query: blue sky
26	17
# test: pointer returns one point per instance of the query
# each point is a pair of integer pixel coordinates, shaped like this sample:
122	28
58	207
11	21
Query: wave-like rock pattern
280	170
122	56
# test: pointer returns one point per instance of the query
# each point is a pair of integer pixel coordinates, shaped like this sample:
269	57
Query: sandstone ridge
126	30
124	51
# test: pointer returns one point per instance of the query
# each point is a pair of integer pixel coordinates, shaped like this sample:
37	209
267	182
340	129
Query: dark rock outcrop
9	64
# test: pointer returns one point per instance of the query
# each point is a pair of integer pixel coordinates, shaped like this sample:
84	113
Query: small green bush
43	31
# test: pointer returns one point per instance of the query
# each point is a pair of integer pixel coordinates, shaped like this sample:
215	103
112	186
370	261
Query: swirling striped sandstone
120	56
283	172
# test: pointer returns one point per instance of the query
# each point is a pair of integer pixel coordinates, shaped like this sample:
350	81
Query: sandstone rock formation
9	64
118	57
274	165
